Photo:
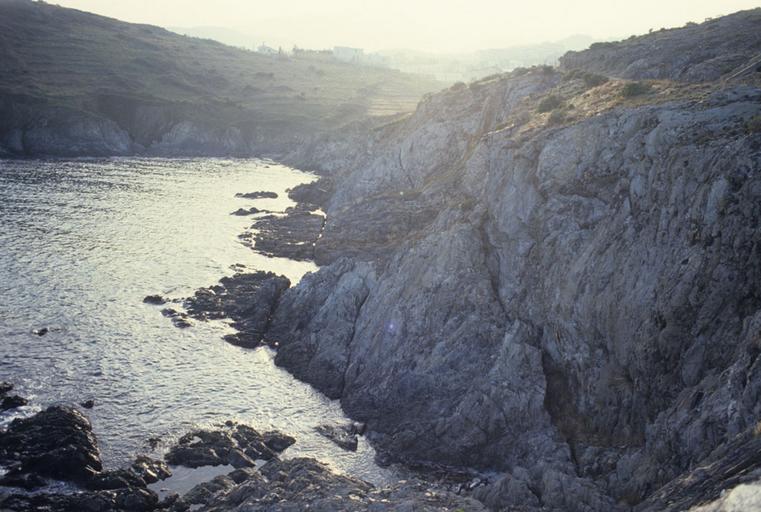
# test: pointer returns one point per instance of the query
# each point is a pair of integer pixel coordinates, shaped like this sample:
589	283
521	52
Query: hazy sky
443	25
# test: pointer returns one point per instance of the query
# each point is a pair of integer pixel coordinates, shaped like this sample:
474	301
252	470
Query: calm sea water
83	241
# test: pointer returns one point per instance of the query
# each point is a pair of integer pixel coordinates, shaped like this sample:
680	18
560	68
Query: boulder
57	443
150	470
12	402
344	436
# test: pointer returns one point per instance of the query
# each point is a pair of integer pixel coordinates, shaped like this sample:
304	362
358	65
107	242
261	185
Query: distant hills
447	67
72	83
471	66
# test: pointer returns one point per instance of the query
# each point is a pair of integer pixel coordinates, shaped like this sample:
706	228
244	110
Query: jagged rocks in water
248	299
41	332
277	441
242	212
257	195
243	339
26	481
155	300
344	436
57	443
203	493
122	500
292	235
314	195
305	484
150	470
181	322
117	479
235	445
88	404
12	402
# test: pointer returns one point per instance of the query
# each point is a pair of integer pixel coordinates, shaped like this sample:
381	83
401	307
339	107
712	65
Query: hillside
694	53
76	83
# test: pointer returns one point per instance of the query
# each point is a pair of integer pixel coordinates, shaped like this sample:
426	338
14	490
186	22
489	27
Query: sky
427	25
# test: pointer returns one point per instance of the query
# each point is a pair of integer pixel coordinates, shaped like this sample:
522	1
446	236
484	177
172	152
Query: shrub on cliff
549	104
558	117
633	89
753	125
589	79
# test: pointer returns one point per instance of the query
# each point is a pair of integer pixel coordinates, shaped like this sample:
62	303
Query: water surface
83	241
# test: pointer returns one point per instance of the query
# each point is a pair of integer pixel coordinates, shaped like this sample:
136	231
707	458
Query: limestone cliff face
572	299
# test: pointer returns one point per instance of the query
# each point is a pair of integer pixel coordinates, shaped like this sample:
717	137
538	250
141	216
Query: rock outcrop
58	444
247	299
702	52
236	445
55	443
572	298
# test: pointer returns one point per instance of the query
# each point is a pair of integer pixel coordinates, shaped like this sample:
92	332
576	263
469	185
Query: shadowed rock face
581	310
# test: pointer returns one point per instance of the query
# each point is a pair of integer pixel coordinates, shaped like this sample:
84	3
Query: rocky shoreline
59	445
568	298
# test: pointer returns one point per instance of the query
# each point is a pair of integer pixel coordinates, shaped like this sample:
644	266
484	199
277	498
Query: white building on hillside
347	54
266	50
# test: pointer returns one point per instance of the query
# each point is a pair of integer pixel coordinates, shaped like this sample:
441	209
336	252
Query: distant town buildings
266	50
341	53
347	54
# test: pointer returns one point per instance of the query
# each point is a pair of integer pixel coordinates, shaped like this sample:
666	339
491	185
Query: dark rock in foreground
56	443
12	402
305	484
122	500
257	195
294	485
235	445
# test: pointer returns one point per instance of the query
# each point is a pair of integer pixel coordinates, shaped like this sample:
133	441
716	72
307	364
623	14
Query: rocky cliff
551	274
